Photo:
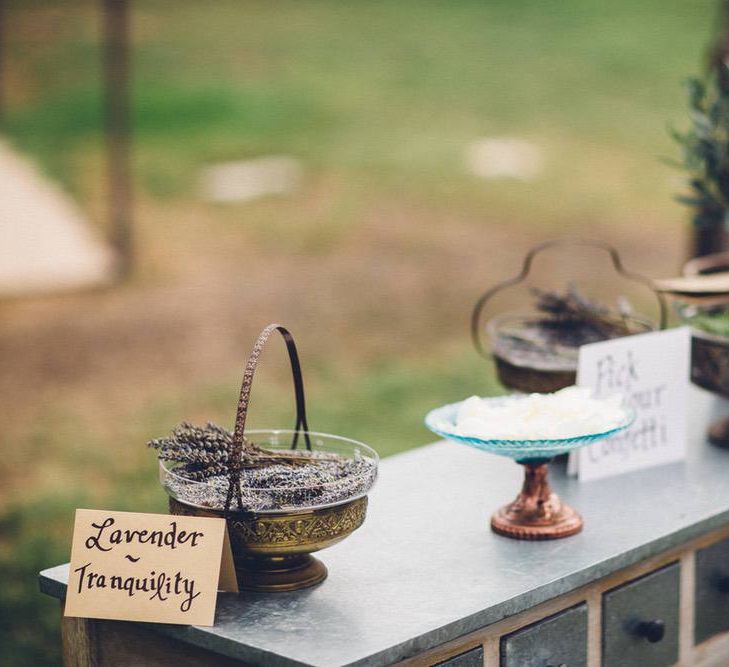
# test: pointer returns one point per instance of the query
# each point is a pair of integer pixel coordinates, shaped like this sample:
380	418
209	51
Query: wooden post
78	636
3	56
117	124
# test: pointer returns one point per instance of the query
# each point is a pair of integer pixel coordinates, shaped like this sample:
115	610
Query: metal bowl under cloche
272	547
529	365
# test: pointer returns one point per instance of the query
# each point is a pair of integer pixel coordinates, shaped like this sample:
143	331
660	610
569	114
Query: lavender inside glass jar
341	470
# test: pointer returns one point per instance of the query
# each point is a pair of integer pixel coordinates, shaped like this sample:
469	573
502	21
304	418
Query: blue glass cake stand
537	513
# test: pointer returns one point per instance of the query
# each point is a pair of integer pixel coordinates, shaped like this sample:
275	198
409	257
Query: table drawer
472	658
557	640
640	621
711	610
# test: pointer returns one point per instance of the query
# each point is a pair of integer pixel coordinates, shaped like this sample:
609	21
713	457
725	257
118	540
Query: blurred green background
374	262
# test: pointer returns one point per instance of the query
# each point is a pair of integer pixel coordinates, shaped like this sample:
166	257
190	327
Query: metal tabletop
425	568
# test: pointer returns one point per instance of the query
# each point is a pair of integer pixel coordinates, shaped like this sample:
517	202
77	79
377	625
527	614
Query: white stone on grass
504	157
245	180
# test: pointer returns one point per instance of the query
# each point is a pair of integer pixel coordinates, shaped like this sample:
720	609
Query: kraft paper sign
158	568
651	372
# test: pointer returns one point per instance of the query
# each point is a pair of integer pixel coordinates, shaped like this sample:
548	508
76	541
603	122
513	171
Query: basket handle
244	399
526	267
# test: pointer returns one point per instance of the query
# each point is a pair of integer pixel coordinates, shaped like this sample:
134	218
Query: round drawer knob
653	631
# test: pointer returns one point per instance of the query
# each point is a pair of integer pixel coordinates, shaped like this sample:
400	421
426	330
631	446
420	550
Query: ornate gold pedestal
537	513
279	573
271	550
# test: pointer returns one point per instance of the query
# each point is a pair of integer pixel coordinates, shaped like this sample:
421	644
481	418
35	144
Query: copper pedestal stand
279	573
537	513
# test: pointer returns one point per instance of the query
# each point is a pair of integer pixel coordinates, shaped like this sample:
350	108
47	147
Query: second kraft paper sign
651	372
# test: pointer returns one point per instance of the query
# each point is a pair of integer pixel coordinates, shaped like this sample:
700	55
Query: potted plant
705	157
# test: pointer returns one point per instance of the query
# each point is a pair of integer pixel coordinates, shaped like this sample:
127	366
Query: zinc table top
425	568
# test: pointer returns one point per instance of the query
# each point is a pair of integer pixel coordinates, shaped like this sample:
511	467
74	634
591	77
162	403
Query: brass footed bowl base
537	513
279	573
271	551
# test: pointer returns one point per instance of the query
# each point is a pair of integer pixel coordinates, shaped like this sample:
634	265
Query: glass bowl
537	513
441	421
273	538
282	497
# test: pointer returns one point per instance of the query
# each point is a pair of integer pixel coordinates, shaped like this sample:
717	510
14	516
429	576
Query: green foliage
383	92
705	148
386	406
34	536
713	323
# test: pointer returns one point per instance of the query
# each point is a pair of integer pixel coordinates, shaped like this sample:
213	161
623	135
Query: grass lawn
374	263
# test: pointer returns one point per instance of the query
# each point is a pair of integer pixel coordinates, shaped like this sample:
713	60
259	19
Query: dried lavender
203	450
206	451
320	480
574	320
268	479
565	321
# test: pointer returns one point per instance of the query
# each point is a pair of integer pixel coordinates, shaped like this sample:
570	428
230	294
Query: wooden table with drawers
425	582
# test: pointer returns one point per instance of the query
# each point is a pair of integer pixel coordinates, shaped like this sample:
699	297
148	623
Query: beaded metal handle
244	399
526	267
